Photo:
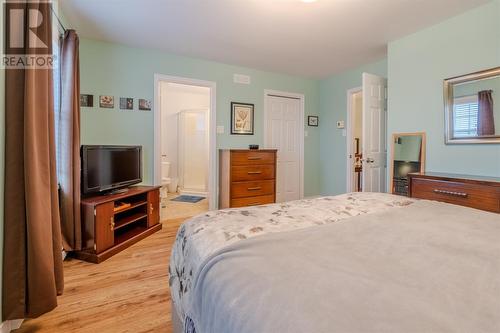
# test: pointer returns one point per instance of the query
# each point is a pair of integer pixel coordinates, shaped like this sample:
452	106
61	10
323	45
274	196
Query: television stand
113	222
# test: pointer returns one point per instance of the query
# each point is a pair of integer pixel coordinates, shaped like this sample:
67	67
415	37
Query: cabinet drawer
252	157
252	189
257	172
252	201
471	195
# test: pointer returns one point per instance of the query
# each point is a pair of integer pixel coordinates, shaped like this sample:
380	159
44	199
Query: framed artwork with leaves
242	118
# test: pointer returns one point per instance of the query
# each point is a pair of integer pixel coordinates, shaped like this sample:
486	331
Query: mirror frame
448	106
422	155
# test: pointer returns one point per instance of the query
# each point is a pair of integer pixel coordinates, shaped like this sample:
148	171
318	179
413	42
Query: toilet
165	179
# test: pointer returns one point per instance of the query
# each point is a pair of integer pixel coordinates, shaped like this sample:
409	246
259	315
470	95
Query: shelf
129	219
133	232
132	206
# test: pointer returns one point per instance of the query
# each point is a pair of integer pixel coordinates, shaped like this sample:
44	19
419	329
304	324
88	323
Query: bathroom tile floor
174	210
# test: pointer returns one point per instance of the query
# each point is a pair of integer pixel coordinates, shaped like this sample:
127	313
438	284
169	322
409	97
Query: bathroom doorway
184	145
366	135
355	140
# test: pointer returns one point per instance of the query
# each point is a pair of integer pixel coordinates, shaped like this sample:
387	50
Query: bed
359	262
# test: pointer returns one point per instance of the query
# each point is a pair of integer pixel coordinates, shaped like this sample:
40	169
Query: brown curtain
486	120
32	261
69	142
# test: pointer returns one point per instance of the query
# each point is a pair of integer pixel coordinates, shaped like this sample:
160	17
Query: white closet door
283	133
374	133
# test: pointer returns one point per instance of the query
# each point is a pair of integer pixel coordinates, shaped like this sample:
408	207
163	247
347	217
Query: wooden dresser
470	191
247	177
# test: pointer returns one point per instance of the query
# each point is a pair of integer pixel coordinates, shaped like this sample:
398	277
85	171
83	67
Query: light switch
220	129
340	124
306	134
344	132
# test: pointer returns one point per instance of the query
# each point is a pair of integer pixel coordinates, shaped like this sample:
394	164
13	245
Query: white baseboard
10	325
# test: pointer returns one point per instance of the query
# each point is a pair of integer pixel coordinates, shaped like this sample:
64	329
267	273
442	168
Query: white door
283	132
374	133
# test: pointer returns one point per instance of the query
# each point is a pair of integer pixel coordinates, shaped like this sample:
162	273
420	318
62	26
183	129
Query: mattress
352	263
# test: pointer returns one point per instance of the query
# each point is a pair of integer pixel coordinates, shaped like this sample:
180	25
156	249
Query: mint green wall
333	107
418	64
111	69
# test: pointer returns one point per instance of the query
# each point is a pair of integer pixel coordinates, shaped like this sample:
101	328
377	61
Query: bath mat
187	198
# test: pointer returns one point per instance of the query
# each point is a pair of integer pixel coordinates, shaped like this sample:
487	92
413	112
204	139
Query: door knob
368	160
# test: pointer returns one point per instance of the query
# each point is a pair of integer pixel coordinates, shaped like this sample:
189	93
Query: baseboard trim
10	325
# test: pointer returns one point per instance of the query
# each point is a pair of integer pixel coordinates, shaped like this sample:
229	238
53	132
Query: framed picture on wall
106	101
86	101
242	118
126	103
313	121
145	104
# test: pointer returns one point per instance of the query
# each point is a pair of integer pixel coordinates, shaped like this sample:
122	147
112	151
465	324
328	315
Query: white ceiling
289	36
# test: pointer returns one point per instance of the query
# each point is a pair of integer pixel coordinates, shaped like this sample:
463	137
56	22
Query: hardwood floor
127	293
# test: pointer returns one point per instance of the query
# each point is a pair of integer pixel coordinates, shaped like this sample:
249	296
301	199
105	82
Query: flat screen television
107	168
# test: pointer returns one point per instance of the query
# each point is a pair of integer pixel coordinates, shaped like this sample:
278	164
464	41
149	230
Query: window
56	72
465	116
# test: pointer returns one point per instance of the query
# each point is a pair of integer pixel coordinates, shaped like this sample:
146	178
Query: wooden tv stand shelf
113	222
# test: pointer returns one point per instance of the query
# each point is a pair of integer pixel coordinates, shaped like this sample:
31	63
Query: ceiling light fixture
308	1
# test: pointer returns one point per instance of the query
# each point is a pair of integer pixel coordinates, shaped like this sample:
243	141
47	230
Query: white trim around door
301	98
212	159
350	139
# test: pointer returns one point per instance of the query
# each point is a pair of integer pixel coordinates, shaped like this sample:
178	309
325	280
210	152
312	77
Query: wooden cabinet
113	222
104	226
247	177
470	191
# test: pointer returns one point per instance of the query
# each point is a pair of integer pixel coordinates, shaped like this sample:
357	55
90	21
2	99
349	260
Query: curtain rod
58	19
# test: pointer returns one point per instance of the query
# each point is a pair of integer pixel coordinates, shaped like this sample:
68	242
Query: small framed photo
86	101
145	104
107	102
242	117
126	103
313	121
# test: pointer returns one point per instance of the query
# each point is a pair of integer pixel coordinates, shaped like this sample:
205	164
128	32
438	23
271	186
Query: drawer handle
151	209
112	223
451	193
255	158
254	172
254	188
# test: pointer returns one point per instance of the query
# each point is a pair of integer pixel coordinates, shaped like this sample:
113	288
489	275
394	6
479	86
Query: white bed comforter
204	235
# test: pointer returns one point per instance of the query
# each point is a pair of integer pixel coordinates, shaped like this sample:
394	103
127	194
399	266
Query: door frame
212	147
301	98
349	137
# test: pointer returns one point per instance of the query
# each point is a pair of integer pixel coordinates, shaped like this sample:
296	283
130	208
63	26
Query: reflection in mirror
473	108
408	151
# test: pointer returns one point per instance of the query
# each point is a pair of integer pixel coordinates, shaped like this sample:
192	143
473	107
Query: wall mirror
408	155
472	108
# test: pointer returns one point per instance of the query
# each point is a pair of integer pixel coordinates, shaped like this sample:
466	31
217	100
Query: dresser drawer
252	201
257	172
251	189
465	194
252	157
